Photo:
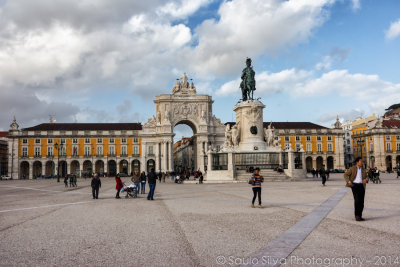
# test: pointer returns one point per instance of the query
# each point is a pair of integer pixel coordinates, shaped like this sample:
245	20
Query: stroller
131	191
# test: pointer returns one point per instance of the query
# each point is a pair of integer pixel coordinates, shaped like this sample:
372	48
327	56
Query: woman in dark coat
119	185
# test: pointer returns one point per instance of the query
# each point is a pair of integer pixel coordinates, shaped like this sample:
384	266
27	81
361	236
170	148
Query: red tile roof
391	123
3	134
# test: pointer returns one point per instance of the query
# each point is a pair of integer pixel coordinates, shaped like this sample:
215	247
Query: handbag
251	180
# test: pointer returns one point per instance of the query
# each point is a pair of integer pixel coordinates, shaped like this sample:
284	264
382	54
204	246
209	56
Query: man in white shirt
356	178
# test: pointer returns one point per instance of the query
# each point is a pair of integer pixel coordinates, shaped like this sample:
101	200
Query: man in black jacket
96	184
151	178
322	173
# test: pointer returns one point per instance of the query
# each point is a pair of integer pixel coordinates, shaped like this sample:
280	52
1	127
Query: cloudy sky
105	61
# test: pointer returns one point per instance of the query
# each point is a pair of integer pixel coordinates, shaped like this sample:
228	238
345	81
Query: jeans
151	192
323	180
257	191
359	194
137	187
143	188
117	195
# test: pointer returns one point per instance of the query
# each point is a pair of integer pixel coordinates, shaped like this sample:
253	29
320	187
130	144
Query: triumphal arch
182	106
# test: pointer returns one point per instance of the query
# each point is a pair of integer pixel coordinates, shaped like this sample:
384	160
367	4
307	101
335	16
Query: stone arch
37	169
151	164
135	166
99	167
330	163
24	167
62	168
187	122
75	168
309	166
112	168
87	168
388	161
49	169
320	162
123	166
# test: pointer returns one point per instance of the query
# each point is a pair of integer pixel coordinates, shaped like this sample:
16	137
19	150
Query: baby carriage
131	191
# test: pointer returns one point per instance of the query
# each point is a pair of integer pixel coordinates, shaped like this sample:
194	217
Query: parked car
5	177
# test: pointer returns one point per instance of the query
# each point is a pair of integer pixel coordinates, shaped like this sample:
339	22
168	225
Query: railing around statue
266	160
219	161
298	160
285	160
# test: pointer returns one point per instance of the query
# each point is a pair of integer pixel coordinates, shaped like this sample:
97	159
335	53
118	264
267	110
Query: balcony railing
389	151
151	155
87	155
371	151
136	155
99	155
24	156
50	156
75	156
38	156
123	155
330	152
319	152
111	155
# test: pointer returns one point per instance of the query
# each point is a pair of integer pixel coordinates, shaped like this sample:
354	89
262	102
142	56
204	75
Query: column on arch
171	156
165	162
143	157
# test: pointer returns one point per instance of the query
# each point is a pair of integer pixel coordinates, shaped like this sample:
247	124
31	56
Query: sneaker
252	205
260	206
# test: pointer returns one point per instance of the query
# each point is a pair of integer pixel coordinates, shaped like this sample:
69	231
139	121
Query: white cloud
251	28
356	4
181	9
394	30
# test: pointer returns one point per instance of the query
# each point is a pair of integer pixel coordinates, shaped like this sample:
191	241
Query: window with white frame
123	150
136	140
50	141
75	151
151	150
62	150
297	147
388	147
24	141
286	138
135	150
99	150
308	147
111	140
24	151
318	138
297	138
37	141
87	140
398	147
387	138
308	138
50	151
62	141
75	140
329	138
123	140
87	150
99	140
330	147
371	147
111	150
37	151
398	137
319	147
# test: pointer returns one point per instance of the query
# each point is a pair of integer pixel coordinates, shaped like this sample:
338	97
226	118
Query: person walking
377	174
398	172
136	180
152	178
96	185
71	181
322	173
256	179
201	178
75	180
163	177
118	185
66	181
356	178
143	182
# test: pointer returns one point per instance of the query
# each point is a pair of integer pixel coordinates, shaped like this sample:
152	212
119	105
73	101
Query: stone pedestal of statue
249	123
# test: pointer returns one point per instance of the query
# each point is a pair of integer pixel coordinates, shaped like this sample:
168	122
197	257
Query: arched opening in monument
37	169
87	168
99	167
123	167
112	168
62	168
320	162
24	170
75	168
389	163
330	163
136	166
49	169
309	164
185	147
150	165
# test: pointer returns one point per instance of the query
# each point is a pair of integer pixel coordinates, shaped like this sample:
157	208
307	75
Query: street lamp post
58	148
